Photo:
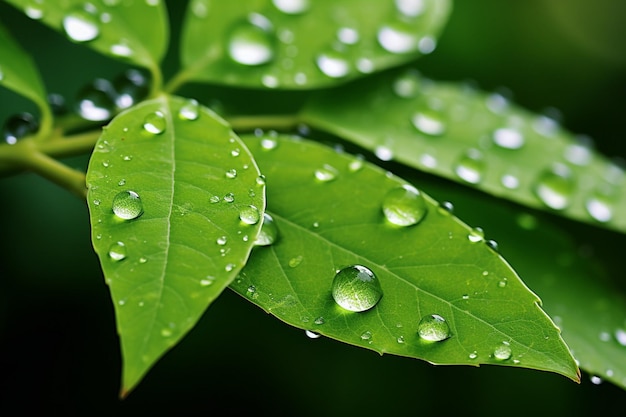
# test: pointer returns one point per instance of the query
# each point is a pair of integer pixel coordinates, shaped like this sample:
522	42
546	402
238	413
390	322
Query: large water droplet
404	206
127	205
471	166
429	123
433	328
502	352
155	123
410	8
292	6
600	206
477	234
18	126
131	86
508	138
333	64
81	26
190	110
252	41
268	233
326	173
249	215
117	251
356	288
555	187
96	101
398	37
34	9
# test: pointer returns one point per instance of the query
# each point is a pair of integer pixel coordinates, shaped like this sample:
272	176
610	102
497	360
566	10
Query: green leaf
195	181
18	73
575	291
328	209
131	31
302	44
477	139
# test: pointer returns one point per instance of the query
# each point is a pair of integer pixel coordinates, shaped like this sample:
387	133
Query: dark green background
59	351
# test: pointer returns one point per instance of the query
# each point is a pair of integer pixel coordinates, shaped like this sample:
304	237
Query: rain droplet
433	328
319	321
326	173
510	181
229	198
117	251
555	187
214	199
471	166
292	6
508	138
231	173
269	143
408	84
404	206
268	233
502	283
81	26
34	10
190	110
620	336
229	267
367	335
155	123
356	288
473	355
446	207
348	36
131	87
296	261
251	292
502	352
127	205
221	240
249	215
311	335
429	123
410	8
477	234
18	126
251	42
579	153
596	380
96	101
398	37
383	153
208	280
333	64
600	206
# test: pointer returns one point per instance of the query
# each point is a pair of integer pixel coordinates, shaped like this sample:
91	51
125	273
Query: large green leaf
201	209
18	73
328	209
478	139
135	31
575	291
300	44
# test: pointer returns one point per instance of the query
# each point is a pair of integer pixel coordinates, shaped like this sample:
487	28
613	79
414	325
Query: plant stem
274	122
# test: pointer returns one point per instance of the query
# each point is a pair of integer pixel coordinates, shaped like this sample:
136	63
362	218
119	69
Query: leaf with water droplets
131	31
421	289
18	72
302	44
171	229
575	290
478	139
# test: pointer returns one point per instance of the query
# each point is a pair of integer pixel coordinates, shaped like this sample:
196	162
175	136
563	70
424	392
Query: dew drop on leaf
326	173
333	64
407	85
249	215
96	101
81	26
18	126
154	123
268	233
502	352
251	42
555	186
398	37
508	138
127	205
404	206
356	288
600	207
131	87
477	234
34	9
429	123
117	251
311	335
433	328
231	173
471	166
292	6
190	110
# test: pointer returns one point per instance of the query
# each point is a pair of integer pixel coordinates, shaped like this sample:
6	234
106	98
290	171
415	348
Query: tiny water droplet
620	336
260	180
410	8
214	199
319	321
34	9
333	64
229	198
433	328
251	292
269	143
502	352
249	215
326	173
555	186
166	332
252	41
121	182
367	335
398	37
268	233
492	244
96	101
143	260
155	123
600	206
117	251
221	240
408	84
81	26
471	166
510	181
400	339
356	288
231	173
229	267
296	261
292	6
208	280
477	234
429	123
190	110
473	355
131	87
508	138
127	205
596	380
502	283
446	207
404	206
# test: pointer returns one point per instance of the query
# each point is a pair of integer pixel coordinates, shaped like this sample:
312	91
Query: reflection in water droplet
117	251
81	26
508	138
471	166
404	206
433	328
207	281
190	110
473	355
127	205
252	42
398	37
356	288
367	335
429	123
333	64
96	101
249	215
502	352
620	336
555	187
155	123
268	233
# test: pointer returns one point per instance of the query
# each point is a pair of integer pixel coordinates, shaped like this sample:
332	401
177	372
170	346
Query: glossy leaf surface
478	139
436	268
576	292
18	71
168	183
135	31
299	44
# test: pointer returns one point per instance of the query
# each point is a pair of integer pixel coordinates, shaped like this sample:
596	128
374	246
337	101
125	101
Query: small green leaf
18	73
477	139
447	297
131	31
302	44
171	189
575	291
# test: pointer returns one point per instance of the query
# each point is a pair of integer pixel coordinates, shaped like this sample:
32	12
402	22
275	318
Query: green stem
274	122
177	81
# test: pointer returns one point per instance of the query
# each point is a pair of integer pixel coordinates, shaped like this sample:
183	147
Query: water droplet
214	199
410	8
249	215
131	87
260	180
383	153
231	173
311	335
508	138
426	44
269	143
155	123
268	233
510	181
555	187
221	240
296	261
596	380
400	339
251	42
326	173
620	336
208	280
429	123
96	101
117	251
18	126
292	6
433	328
166	332
229	198
81	26
367	335
398	37
502	283
143	260
251	292
497	103
492	244
127	205
404	206
348	36
477	234
580	152
473	355
34	9
600	205
502	352
319	321
121	182
356	288
471	166
408	84
333	64
229	267
446	207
